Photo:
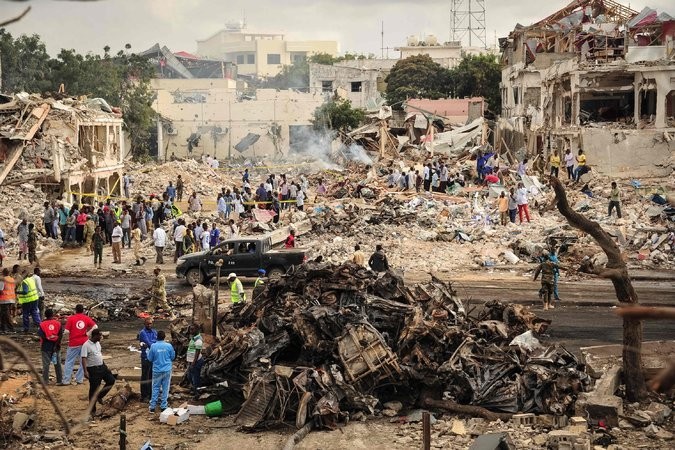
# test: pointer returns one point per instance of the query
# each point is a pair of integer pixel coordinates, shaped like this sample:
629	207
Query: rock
358	416
458	428
396	406
416	416
389	412
540	440
658	433
604	407
405	440
658	412
20	421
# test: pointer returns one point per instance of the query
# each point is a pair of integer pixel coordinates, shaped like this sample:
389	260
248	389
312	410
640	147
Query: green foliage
329	60
295	76
478	76
417	77
123	80
338	114
25	63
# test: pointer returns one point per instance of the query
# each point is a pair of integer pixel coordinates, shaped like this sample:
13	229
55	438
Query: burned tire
276	273
194	277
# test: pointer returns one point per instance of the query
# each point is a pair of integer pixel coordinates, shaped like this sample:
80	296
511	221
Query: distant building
452	110
210	117
447	54
186	65
363	86
259	54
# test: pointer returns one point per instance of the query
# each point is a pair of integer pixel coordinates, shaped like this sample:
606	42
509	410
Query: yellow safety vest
258	282
235	287
32	294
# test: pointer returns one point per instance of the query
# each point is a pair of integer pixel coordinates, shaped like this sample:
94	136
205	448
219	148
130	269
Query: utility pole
214	313
229	132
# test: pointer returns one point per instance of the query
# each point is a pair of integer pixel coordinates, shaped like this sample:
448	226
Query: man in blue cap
259	281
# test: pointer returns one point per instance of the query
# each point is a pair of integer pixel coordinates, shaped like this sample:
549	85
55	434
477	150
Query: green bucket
214	409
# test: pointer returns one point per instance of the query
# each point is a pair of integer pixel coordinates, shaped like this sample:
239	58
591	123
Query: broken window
250	58
647	103
240	59
516	97
532	96
298	57
670	109
356	86
607	107
327	86
273	58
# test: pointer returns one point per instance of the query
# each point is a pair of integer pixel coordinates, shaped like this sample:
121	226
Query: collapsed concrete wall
634	153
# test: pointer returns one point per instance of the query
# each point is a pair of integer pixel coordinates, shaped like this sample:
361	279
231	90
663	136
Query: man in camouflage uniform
158	293
32	244
547	270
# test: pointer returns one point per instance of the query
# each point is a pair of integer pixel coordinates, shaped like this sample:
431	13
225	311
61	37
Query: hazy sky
355	24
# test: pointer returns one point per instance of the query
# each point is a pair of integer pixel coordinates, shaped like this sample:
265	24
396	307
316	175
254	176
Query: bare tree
616	271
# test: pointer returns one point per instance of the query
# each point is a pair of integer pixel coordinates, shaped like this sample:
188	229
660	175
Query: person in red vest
290	240
50	333
7	301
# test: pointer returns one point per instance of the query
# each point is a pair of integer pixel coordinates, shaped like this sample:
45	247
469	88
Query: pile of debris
324	341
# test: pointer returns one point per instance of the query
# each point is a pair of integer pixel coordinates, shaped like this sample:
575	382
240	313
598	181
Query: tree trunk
616	271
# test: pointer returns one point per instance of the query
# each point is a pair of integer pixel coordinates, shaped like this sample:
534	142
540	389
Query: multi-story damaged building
595	75
74	148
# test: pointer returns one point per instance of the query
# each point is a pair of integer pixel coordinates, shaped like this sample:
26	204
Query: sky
88	26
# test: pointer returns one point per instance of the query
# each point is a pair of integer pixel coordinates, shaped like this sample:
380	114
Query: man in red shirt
79	325
50	333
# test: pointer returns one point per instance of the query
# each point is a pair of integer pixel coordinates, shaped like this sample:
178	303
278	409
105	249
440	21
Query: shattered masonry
595	75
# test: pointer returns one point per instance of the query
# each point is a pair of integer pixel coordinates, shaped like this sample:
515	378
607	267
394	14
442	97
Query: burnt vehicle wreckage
324	341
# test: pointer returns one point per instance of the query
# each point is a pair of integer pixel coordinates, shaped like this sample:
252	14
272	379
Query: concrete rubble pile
325	341
469	219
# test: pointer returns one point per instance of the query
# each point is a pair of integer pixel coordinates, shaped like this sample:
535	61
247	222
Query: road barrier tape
208	202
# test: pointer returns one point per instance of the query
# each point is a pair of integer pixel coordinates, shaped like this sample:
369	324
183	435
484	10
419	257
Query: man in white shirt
443	178
41	293
205	237
94	369
116	239
300	200
178	235
159	238
521	199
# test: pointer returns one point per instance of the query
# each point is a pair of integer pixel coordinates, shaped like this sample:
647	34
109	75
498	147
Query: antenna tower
468	20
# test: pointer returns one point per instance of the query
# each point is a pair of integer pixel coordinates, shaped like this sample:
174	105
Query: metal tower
468	19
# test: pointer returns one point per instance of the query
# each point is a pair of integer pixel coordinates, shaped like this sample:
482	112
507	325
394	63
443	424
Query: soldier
158	293
547	269
32	244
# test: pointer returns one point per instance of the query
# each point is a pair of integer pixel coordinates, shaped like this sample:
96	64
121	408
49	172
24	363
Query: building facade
595	76
259	54
210	117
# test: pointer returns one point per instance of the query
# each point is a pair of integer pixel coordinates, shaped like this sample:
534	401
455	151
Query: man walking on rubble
179	189
22	233
194	358
95	370
158	294
521	198
48	219
237	293
378	260
78	326
161	356
614	201
97	246
547	270
147	337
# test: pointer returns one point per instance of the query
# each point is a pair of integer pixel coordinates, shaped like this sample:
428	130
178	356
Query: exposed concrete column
636	97
576	99
662	91
160	141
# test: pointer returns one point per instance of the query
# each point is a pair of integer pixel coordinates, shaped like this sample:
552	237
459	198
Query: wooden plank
40	113
9	162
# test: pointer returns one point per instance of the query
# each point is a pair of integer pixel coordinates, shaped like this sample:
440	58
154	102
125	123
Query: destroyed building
186	65
69	146
596	76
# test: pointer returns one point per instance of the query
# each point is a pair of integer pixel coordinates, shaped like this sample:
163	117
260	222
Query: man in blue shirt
147	336
161	355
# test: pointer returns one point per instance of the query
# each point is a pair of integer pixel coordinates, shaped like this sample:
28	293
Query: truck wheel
276	273
194	277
